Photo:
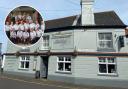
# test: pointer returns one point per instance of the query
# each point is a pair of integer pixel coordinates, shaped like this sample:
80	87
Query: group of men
24	32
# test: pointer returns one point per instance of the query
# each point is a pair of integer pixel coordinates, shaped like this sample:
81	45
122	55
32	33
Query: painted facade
52	56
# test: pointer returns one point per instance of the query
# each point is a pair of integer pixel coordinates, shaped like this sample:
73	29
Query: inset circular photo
24	26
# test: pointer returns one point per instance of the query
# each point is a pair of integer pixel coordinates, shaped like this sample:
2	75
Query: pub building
88	49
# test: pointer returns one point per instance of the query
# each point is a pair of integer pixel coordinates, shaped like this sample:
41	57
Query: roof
108	18
62	22
101	18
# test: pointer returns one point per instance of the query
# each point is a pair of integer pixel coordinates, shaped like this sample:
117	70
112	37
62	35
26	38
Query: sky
52	9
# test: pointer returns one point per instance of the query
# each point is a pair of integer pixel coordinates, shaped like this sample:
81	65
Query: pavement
20	82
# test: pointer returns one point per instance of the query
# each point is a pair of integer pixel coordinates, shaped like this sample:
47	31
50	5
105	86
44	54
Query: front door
44	67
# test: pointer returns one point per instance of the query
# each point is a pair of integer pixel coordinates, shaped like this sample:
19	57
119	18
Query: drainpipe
3	63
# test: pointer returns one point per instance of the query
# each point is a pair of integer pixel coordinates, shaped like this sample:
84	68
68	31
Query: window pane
108	36
111	68
102	59
61	59
67	59
105	40
111	60
27	65
27	57
102	68
47	44
22	65
105	44
102	44
46	41
60	66
109	44
46	38
67	66
23	58
101	36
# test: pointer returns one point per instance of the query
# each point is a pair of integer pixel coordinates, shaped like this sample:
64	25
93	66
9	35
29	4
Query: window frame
104	40
25	60
63	71
107	63
46	42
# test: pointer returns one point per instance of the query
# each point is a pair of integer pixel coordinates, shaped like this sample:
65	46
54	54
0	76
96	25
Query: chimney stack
87	14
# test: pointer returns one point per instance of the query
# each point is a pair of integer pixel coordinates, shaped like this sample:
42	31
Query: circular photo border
15	30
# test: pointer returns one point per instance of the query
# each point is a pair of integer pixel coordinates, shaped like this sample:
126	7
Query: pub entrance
44	67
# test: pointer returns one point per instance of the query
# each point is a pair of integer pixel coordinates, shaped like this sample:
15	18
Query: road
11	83
16	82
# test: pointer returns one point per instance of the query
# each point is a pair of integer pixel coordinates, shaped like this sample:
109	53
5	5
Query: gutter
75	53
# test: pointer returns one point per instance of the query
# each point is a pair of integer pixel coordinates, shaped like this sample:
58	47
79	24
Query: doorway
44	67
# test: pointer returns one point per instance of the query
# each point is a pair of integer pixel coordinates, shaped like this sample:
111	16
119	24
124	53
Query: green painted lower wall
25	74
84	71
91	82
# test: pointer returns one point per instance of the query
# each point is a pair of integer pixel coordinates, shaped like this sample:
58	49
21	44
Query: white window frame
107	63
21	60
64	57
105	40
46	42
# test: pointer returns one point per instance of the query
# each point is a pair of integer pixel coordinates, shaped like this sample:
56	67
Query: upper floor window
24	62
105	40
46	41
64	64
107	65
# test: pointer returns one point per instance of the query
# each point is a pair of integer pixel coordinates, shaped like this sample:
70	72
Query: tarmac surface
20	82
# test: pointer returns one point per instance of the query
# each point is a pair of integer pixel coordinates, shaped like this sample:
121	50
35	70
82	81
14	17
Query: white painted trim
98	40
3	61
24	64
115	63
76	20
64	71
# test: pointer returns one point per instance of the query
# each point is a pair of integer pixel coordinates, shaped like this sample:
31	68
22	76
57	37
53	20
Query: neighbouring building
91	49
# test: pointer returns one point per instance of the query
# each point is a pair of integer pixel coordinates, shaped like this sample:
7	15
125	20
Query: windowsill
64	72
27	69
106	49
110	74
44	48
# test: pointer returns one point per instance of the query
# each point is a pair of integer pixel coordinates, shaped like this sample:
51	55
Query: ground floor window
24	62
64	64
107	65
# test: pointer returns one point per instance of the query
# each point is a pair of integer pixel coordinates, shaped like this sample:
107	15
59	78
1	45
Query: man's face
17	23
36	22
7	23
12	23
21	22
31	21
